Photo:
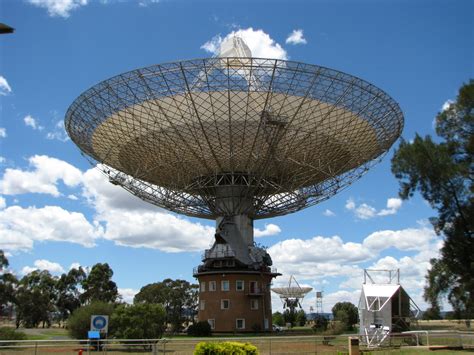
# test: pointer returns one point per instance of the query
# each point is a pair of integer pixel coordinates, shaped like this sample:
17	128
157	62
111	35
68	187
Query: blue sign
93	334
99	323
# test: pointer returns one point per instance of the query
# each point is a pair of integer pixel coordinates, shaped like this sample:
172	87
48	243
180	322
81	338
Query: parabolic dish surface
184	135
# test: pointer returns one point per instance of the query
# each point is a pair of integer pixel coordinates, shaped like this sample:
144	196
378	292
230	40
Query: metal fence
396	343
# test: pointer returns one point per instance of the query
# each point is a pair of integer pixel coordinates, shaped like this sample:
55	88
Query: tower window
254	304
239	285
225	285
212	323
203	287
225	304
212	285
240	323
202	305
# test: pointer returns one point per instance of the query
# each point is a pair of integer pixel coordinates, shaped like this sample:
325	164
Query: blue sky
55	210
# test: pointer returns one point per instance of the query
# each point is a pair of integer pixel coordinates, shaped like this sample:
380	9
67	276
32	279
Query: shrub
80	320
7	333
233	347
200	329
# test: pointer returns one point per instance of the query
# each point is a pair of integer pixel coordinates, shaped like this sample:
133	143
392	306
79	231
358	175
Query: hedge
231	348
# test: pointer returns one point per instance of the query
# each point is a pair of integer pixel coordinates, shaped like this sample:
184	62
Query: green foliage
68	293
174	295
346	314
289	315
34	299
277	318
138	321
7	333
443	174
79	322
300	318
200	329
320	323
8	284
233	347
98	286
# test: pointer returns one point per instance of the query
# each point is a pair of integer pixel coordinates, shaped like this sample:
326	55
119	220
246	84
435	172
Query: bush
320	323
80	320
138	321
233	347
200	329
7	333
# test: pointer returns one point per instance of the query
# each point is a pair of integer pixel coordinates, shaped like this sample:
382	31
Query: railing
214	254
281	344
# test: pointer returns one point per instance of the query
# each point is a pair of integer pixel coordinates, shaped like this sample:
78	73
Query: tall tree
98	285
68	294
35	298
176	296
8	283
442	171
346	313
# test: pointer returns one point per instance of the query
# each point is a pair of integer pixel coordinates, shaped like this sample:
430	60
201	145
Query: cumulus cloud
59	8
4	86
127	294
3	132
260	43
365	211
2	160
270	229
3	203
43	177
21	227
405	239
322	258
296	37
43	264
132	222
320	249
30	121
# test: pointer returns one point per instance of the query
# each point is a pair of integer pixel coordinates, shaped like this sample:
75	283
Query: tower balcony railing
218	254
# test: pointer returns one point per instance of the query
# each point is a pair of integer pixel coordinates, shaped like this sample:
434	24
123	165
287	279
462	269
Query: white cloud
350	204
43	264
72	197
405	239
260	43
365	211
393	205
4	86
321	258
75	265
132	222
296	37
3	132
270	229
32	122
58	132
127	294
3	203
61	8
328	213
21	227
318	249
2	160
446	105
43	178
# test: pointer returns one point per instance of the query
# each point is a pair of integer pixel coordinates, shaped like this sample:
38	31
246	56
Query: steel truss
188	135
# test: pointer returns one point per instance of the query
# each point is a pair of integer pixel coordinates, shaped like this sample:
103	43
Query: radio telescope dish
234	138
293	294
